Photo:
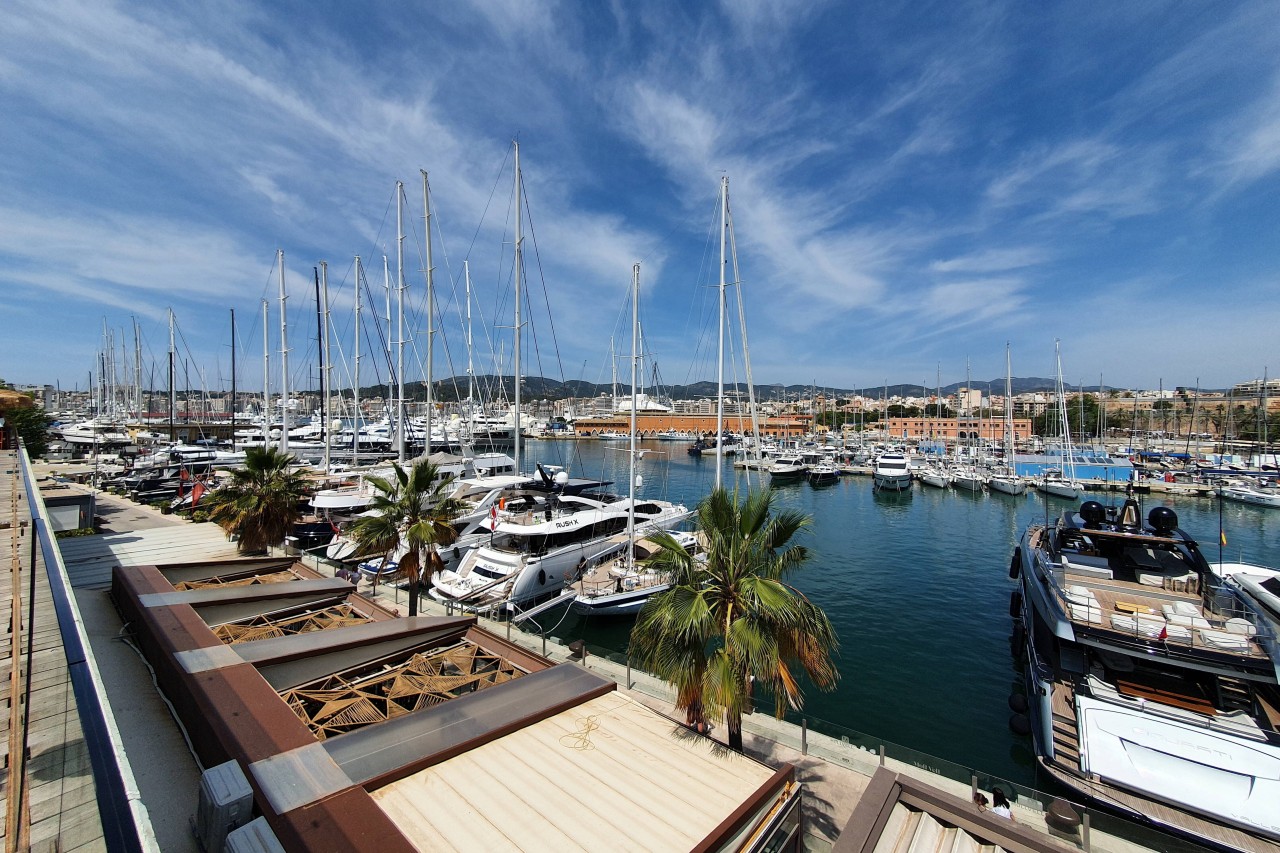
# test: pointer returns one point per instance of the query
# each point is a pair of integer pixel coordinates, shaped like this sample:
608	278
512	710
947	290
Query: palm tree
410	513
733	620
261	501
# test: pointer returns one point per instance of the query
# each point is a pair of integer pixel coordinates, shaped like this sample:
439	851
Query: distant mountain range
541	388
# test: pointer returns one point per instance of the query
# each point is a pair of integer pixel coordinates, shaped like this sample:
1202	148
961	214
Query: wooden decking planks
44	748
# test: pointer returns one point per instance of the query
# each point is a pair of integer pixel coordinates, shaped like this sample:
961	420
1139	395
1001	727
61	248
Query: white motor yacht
891	472
534	551
1151	680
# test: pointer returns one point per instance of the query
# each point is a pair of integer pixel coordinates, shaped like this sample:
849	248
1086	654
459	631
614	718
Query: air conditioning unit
254	837
226	802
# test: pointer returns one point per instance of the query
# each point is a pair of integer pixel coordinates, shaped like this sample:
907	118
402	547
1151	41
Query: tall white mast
631	476
431	331
137	370
327	366
466	269
1008	406
724	232
173	391
519	288
284	360
400	431
355	443
266	376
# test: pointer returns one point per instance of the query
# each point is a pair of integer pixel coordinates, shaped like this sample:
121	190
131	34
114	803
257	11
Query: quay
146	778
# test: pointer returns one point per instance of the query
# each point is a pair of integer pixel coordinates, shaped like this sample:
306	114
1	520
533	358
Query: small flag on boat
197	492
1222	537
1164	633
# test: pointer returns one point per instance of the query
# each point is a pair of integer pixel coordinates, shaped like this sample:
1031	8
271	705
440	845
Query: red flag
197	492
1164	633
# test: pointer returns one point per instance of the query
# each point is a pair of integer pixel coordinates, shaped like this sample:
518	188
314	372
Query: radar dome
1093	513
1163	520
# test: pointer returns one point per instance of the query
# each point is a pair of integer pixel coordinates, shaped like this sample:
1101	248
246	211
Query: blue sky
912	184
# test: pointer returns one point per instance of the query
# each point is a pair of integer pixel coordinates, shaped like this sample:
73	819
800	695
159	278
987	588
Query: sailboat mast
400	431
1264	418
431	331
173	393
724	233
355	441
519	258
1008	405
266	376
631	477
325	390
233	379
284	360
137	370
466	270
742	330
613	364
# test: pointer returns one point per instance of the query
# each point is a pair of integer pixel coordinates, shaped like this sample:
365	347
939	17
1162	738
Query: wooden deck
1121	597
44	749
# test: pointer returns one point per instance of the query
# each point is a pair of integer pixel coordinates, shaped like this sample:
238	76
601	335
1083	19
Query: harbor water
916	586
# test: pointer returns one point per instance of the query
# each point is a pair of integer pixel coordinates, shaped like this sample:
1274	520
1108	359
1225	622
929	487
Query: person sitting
1000	804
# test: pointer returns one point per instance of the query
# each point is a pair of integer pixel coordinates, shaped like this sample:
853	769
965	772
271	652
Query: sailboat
1062	482
535	549
616	581
1005	479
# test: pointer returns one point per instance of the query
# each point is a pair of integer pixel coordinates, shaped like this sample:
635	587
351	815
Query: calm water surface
916	586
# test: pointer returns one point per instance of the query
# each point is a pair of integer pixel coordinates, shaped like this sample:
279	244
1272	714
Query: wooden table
1166	696
1129	607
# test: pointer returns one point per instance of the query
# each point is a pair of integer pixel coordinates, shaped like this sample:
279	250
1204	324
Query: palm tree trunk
733	720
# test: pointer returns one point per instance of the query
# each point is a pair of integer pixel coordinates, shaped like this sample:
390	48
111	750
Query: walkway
49	796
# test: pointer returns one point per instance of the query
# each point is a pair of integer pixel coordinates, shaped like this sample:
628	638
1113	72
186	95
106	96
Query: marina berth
1151	678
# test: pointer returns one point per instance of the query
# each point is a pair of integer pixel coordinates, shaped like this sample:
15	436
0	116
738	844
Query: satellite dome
1163	520
1093	513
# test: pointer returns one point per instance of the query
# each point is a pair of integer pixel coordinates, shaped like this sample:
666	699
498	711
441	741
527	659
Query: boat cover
1227	778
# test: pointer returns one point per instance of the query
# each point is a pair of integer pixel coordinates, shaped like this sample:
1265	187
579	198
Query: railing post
882	755
628	672
508	630
1084	832
973	786
804	735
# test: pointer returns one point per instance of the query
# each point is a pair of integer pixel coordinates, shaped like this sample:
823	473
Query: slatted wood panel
91	559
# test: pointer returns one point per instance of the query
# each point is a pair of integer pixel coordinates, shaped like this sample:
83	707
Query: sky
911	186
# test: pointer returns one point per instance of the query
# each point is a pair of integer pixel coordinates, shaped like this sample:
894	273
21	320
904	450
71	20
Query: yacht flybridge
1151	678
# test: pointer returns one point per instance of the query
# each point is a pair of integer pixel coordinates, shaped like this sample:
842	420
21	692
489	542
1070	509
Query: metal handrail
126	826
